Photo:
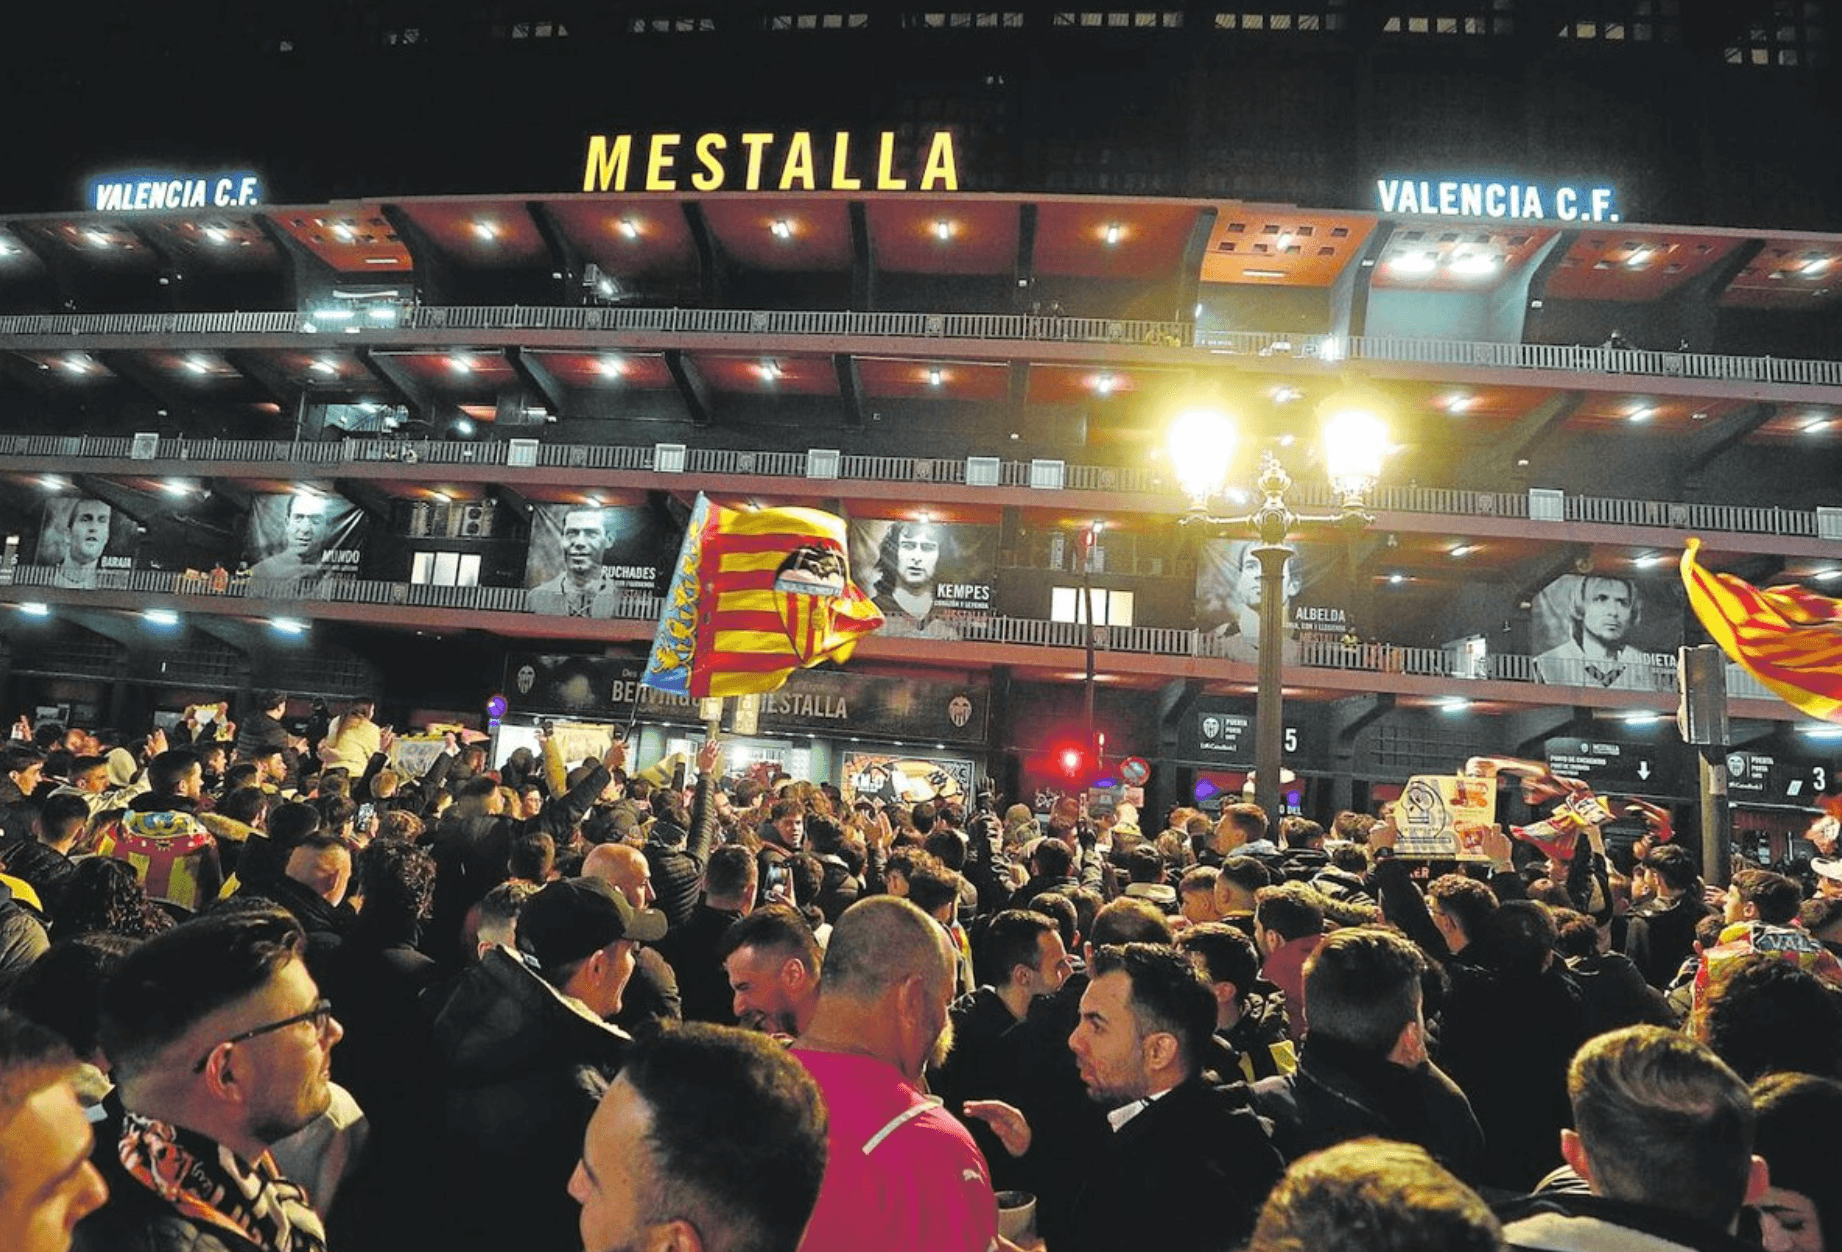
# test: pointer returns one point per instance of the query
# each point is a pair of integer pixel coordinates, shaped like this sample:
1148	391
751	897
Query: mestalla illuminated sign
764	161
1496	198
153	192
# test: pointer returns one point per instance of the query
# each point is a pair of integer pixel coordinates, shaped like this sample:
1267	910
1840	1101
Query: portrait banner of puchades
85	539
1445	816
1229	590
932	580
299	541
895	778
585	561
1607	630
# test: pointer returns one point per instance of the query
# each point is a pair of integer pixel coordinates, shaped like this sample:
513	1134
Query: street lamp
1201	445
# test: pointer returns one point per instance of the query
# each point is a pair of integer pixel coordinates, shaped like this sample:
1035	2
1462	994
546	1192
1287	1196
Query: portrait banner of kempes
1229	589
932	580
300	540
1607	630
82	537
583	559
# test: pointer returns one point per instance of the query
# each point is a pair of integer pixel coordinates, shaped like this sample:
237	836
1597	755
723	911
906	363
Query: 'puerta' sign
1496	198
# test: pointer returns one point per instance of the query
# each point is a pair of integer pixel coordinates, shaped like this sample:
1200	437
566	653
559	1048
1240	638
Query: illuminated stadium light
943	230
629	228
1414	263
287	626
1474	265
782	228
1112	232
611	367
35	608
160	617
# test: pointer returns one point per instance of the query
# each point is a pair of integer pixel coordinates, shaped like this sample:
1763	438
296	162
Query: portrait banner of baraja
1457	197
765	161
124	193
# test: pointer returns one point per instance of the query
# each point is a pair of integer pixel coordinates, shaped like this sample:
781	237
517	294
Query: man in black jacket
527	1055
1018	957
42	857
1187	1165
1364	1069
678	845
694	949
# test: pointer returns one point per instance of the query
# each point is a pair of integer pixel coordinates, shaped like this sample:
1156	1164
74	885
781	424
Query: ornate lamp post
1201	445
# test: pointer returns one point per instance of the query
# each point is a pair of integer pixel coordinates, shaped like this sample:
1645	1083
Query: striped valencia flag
1788	638
757	594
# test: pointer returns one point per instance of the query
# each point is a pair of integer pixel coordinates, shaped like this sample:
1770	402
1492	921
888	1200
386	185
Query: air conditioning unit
1048	475
521	453
668	458
983	471
823	462
1546	504
146	446
476	521
1829	523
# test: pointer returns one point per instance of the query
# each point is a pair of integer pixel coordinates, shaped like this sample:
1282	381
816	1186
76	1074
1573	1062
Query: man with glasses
221	1046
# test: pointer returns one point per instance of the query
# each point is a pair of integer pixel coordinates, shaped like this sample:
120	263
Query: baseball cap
573	918
1827	866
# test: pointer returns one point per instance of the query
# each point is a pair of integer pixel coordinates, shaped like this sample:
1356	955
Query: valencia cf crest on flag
757	593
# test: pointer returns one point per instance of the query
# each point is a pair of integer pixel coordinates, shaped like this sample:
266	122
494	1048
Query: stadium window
818	21
1449	23
670	25
1797	35
1328	16
1624	21
445	569
1111	608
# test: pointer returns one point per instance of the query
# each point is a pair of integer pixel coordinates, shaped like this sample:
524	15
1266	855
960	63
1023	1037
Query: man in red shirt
902	1174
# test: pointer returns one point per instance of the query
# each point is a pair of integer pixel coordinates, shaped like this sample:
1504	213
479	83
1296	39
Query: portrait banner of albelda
1229	590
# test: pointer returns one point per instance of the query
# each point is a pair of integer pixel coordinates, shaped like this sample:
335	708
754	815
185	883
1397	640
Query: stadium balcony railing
991	326
1655	675
1819	523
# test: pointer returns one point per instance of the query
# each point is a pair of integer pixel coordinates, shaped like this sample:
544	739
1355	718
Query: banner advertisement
1229	589
1444	816
583	561
298	541
87	538
814	702
1607	631
932	580
82	537
890	778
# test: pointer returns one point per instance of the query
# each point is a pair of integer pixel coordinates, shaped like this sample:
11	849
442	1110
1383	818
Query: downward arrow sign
1643	769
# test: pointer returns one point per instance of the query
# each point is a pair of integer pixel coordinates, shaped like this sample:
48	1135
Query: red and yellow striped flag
757	594
1788	638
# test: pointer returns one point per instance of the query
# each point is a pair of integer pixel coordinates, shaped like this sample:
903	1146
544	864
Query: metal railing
728	323
1654	674
1121	480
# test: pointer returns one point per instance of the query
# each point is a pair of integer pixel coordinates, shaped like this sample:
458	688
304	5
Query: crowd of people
265	991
